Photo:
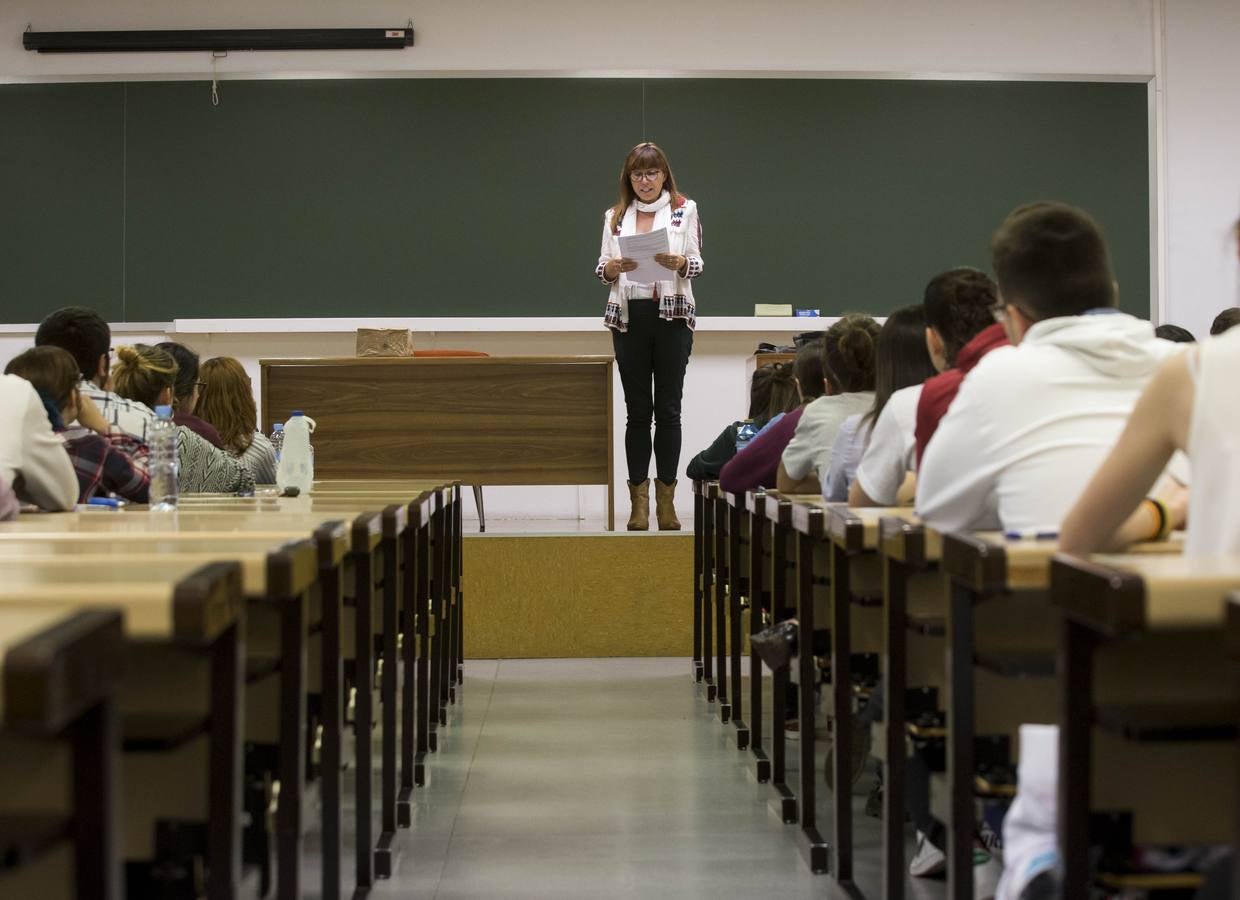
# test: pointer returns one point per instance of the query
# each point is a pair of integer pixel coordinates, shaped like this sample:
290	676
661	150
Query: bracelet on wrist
1163	517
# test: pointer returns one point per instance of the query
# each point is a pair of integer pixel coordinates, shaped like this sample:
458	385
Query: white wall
1202	85
1109	37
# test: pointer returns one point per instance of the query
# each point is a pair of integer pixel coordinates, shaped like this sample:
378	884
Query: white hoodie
1032	422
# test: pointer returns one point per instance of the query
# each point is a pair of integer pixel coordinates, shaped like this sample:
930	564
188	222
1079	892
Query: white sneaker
929	859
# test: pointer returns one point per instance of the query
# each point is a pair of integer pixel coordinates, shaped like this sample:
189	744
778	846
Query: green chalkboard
483	197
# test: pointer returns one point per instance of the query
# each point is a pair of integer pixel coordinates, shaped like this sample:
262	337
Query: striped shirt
129	416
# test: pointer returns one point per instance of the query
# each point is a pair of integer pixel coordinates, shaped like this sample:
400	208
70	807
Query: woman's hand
616	265
673	261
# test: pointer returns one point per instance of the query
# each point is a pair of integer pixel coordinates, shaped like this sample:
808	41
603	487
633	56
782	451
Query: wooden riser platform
587	595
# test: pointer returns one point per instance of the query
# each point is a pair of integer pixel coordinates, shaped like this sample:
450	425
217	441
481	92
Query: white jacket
1031	423
684	230
33	458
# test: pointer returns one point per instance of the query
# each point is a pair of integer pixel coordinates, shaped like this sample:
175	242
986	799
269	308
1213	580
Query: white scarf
663	200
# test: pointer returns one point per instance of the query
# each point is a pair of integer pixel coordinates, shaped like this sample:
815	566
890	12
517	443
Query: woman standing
651	324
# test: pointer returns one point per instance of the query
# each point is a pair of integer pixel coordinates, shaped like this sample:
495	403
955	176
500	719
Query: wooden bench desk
59	674
739	594
199	613
1000	626
914	615
776	512
1148	707
759	567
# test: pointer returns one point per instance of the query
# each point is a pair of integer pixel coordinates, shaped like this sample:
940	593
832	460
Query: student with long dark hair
902	364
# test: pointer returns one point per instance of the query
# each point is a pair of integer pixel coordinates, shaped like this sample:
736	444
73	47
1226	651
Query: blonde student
227	403
146	376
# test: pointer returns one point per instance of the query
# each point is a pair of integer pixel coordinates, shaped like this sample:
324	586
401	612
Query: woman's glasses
648	175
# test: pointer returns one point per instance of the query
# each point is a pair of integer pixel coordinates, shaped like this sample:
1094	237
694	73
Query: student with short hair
146	376
849	349
106	461
771	391
1175	334
87	338
227	404
32	456
960	330
186	392
757	466
1225	321
1032	423
875	453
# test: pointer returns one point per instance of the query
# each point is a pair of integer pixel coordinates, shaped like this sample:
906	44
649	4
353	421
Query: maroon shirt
199	427
758	464
938	392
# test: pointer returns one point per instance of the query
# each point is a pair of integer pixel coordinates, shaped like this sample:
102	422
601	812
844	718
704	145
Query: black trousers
652	356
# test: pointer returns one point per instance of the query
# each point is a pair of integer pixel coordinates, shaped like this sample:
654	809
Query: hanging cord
216	56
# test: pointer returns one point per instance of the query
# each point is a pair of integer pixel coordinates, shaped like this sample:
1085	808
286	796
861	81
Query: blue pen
1031	534
105	501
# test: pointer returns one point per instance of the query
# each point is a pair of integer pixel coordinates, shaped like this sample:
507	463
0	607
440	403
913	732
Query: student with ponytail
147	376
849	352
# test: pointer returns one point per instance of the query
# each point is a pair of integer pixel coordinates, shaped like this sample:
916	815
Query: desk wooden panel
59	672
481	421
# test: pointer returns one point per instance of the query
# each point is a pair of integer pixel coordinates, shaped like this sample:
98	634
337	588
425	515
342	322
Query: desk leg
813	847
758	601
95	738
408	651
292	745
895	678
708	585
443	625
960	767
721	609
458	590
422	598
387	696
785	803
333	727
1076	691
736	588
363	720
224	777
697	586
438	586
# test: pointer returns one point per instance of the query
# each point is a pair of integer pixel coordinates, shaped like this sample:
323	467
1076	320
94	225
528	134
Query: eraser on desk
807	313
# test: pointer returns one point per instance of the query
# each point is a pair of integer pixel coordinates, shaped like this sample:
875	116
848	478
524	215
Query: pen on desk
1031	534
107	502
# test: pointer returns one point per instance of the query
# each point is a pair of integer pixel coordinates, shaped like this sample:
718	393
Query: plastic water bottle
277	438
744	434
165	465
296	468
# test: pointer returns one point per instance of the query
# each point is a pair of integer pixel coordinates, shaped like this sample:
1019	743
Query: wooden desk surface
478	420
1123	593
856	529
194	608
276	523
907	539
987	561
54	662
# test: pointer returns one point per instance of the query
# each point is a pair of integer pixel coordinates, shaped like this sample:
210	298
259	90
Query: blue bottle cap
298	412
278	426
164	412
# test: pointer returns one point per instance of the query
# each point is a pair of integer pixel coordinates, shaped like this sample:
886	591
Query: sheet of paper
642	248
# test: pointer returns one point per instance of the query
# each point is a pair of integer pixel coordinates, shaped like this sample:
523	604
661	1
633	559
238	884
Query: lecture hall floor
601	778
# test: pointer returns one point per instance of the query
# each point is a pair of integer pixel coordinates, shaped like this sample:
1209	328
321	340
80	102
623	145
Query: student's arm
786	484
693	245
125	472
206	469
47	475
1157	427
710	462
883	465
957	481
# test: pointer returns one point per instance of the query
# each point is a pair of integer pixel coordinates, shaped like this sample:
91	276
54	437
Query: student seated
960	330
1189	405
1175	334
1225	321
874	453
32	456
757	465
88	339
144	376
849	353
107	461
227	404
186	391
1032	422
764	404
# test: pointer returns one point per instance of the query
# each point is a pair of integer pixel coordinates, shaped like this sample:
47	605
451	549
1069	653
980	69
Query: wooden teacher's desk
478	420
